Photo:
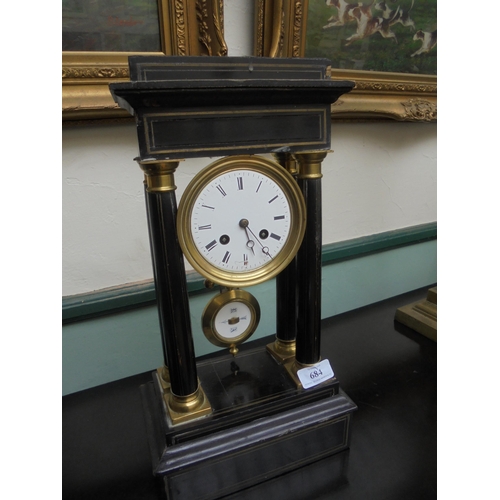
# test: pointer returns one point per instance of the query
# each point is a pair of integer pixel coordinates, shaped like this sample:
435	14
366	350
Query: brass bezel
295	199
216	304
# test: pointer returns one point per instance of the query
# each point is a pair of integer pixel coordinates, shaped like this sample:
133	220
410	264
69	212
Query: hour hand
250	243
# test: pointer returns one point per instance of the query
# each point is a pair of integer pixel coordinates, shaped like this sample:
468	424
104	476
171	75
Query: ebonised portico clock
244	219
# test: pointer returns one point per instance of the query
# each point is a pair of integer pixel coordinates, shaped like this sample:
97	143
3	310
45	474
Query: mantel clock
242	220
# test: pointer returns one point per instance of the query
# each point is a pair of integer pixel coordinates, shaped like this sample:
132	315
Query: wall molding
139	294
381	242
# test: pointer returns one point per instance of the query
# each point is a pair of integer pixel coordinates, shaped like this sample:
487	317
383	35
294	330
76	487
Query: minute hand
264	249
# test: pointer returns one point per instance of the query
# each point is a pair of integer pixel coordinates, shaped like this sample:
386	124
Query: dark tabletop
388	370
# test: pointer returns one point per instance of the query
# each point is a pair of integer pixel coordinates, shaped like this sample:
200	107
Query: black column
151	211
170	278
286	303
308	342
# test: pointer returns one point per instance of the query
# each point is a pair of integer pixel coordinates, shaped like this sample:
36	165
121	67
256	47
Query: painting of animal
344	12
369	25
396	36
429	41
398	15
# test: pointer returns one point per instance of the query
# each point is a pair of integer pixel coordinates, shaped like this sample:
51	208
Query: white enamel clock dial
243	220
240	221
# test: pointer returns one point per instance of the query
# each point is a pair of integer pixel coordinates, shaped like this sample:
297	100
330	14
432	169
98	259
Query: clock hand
250	242
264	249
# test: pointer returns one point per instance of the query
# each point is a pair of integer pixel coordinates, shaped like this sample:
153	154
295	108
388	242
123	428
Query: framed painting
98	36
388	48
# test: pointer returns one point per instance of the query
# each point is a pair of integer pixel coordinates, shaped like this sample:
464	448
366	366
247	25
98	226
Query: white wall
381	176
238	27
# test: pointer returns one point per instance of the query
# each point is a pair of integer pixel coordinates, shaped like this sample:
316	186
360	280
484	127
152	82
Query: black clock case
216	106
261	427
262	424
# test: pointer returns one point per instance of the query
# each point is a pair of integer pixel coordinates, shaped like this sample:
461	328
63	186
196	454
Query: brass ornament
159	175
186	408
280	27
180	28
310	164
110	72
205	38
218	20
297	29
420	110
394	87
282	350
259	26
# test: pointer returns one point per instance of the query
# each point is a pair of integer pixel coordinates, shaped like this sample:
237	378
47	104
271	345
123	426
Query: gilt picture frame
186	27
281	30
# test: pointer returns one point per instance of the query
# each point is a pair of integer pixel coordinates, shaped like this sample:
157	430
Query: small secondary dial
232	320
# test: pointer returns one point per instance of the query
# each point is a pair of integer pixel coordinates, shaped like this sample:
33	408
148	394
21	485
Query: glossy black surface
151	68
171	292
236	459
388	371
286	302
197	107
309	277
151	202
252	385
286	286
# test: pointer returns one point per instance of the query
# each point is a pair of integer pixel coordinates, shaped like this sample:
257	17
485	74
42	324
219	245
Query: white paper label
314	375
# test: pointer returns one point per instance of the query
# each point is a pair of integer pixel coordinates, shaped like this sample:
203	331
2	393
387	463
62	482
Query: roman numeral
275	236
240	183
272	199
279	217
226	257
206	226
258	187
245	259
208	206
211	245
222	192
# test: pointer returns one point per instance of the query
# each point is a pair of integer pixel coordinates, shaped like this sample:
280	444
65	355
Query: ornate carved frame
280	31
187	27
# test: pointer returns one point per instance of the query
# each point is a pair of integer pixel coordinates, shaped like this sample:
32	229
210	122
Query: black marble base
233	460
241	389
261	427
